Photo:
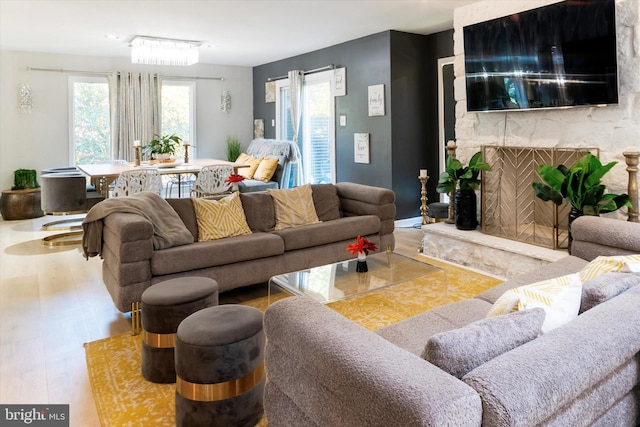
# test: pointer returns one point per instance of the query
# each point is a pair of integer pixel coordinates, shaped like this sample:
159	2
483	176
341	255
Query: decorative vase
573	214
466	215
361	266
235	187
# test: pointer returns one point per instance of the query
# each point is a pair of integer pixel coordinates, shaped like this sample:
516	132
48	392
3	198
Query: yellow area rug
124	398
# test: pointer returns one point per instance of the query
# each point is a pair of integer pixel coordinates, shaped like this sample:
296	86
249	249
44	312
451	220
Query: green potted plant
234	148
462	182
163	148
581	187
23	200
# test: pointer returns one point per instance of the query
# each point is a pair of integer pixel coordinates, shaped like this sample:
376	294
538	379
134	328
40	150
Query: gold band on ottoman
219	391
159	340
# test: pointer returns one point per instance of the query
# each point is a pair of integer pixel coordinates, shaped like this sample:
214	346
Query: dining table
103	174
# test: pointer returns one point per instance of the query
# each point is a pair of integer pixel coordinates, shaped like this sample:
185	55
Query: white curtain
296	91
296	82
135	111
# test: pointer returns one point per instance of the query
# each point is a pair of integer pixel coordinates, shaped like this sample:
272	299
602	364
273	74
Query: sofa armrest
326	369
360	199
570	375
594	236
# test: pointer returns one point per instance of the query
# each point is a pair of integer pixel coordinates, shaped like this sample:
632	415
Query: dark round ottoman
438	211
164	305
220	367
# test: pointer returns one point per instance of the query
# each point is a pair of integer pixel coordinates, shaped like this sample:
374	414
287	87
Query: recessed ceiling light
112	37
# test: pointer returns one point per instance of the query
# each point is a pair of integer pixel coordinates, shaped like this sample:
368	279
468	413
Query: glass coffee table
339	281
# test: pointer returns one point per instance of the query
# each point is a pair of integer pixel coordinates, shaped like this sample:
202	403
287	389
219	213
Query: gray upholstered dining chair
136	181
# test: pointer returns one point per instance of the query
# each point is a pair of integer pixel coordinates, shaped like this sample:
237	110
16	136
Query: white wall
612	129
41	140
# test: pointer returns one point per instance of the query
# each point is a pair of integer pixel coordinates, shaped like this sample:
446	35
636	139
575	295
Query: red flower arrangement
233	178
362	245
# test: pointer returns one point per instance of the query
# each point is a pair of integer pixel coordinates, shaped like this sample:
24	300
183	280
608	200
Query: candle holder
451	151
424	209
136	160
186	154
631	159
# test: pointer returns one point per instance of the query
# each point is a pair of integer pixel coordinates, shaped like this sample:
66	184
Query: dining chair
136	181
211	180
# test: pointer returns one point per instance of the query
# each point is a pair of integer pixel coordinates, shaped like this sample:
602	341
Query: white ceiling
233	32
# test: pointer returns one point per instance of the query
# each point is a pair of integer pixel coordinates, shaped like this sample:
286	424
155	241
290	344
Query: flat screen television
556	56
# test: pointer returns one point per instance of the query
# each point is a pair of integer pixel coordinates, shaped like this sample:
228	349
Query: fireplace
510	208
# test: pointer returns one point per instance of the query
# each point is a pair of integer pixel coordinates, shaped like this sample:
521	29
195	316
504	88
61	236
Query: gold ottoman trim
159	340
219	391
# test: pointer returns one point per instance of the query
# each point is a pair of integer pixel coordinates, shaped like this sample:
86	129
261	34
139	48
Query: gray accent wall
405	139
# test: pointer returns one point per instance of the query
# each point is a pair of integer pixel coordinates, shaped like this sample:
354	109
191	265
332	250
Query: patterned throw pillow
220	218
559	297
294	207
608	264
461	350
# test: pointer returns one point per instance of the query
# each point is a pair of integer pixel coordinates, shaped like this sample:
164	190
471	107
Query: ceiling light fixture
161	51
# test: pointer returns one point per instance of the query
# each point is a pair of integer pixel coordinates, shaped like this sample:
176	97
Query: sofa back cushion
186	212
605	287
459	351
258	208
326	201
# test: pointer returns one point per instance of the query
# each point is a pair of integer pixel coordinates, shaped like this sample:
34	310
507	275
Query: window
178	112
90	124
316	137
90	117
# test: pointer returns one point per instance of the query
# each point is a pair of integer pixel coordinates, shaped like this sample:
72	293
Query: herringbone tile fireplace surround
510	208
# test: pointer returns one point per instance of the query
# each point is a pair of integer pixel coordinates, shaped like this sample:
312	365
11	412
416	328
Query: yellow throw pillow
266	169
559	297
608	264
253	165
293	207
220	218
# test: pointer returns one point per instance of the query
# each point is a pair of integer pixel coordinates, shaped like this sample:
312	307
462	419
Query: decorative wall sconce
25	101
225	101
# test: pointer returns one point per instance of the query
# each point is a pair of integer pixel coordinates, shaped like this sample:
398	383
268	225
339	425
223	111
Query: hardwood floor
52	301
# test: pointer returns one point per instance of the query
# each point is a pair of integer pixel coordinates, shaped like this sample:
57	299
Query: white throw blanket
168	228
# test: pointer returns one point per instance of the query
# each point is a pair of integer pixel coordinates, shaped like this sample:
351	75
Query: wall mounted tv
556	56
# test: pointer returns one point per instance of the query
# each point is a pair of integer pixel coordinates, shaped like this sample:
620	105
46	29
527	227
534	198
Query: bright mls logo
35	415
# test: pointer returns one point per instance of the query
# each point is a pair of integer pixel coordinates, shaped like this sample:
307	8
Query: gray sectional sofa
325	370
346	210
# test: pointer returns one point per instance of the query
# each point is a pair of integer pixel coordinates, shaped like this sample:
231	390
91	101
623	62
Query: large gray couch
346	210
325	370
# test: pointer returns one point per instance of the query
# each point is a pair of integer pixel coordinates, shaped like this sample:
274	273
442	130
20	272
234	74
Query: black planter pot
573	214
466	216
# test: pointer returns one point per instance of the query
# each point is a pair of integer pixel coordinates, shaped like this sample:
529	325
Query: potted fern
581	187
463	181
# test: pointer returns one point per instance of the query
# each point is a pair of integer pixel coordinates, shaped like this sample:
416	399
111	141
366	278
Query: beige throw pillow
220	218
293	207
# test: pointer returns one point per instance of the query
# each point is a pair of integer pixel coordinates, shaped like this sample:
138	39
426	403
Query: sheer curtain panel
135	111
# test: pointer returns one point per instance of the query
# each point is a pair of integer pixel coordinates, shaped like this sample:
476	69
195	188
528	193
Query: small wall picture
361	147
270	92
376	100
258	128
340	82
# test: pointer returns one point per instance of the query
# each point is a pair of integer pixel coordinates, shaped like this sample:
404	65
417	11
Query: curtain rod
105	73
328	67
